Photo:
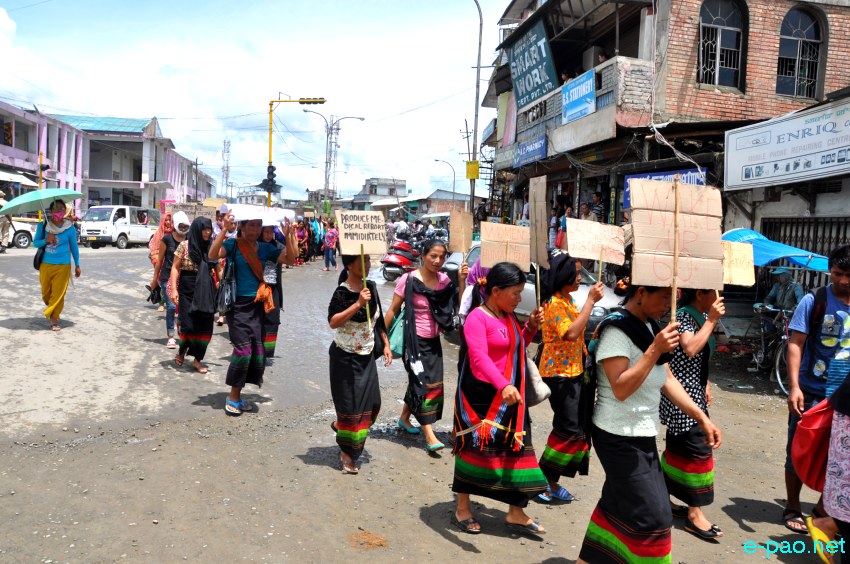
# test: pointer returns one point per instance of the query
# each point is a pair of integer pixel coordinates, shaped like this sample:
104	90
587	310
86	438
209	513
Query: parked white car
23	232
121	226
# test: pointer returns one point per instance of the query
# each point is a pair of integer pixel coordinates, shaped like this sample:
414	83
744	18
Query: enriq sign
797	147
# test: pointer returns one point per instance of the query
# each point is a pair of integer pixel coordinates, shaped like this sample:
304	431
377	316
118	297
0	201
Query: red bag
559	239
810	447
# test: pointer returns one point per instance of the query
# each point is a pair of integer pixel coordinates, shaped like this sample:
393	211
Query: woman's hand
388	356
535	320
365	297
667	339
50	239
596	293
463	272
713	437
708	394
174	295
510	395
718	310
77	272
229	223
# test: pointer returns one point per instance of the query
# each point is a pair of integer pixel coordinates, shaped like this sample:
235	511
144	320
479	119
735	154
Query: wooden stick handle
363	270
675	248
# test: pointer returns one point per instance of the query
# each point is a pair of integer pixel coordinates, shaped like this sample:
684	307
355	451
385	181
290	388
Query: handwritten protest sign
594	241
539	224
365	228
738	264
700	253
508	243
309	214
460	231
192	210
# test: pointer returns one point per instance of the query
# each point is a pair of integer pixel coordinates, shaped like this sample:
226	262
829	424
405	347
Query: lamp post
269	182
453	181
477	99
329	130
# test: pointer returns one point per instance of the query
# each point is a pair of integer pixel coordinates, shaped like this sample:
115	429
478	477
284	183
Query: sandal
55	327
710	535
545	496
564	495
792	517
178	360
233	408
198	366
532	528
466	525
245	406
820	540
348	467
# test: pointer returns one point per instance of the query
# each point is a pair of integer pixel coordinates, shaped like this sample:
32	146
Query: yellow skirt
54	280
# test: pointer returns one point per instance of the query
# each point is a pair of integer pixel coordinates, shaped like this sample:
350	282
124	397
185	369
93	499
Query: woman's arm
393	310
625	379
173	277
289	254
693	343
339	319
483	367
75	249
573	331
158	268
39	240
680	398
216	250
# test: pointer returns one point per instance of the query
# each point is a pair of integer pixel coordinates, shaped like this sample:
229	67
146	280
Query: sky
208	69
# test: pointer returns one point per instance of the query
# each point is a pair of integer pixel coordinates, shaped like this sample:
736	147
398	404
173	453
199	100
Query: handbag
39	256
536	390
559	239
810	447
225	296
396	334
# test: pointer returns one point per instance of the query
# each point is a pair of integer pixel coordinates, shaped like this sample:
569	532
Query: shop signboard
532	68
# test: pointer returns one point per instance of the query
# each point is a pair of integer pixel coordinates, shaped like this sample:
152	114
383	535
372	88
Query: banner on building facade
797	147
578	97
366	228
689	176
700	251
528	152
539	221
532	69
505	243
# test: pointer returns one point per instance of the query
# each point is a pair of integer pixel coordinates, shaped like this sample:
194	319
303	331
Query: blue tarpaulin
766	251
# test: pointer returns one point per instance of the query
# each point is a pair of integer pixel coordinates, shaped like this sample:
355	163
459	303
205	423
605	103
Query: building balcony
622	93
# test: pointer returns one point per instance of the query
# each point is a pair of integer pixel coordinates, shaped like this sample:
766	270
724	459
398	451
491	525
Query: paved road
109	363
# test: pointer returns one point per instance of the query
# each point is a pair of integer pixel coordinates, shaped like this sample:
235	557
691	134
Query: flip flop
564	495
348	467
532	528
178	360
710	535
55	327
820	540
793	516
246	407
545	496
466	525
232	408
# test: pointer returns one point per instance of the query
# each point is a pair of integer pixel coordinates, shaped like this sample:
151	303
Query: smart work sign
361	228
532	69
806	145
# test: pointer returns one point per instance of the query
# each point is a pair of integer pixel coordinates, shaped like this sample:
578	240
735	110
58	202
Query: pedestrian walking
253	300
428	296
632	519
494	454
562	369
329	246
358	341
273	277
302	234
59	239
687	461
162	271
193	290
5	226
166	226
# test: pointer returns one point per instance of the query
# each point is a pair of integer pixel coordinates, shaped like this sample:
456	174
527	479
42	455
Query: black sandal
466	525
710	535
793	516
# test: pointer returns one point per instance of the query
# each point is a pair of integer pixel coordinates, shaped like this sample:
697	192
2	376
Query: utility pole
268	183
331	137
225	166
477	102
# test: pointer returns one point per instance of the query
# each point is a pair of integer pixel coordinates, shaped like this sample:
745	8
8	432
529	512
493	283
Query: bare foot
199	367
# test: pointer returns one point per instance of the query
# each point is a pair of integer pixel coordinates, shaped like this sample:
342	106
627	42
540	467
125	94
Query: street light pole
477	99
329	128
269	180
453	181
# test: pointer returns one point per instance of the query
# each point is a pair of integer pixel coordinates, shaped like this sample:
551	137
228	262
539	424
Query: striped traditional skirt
357	398
566	451
688	465
431	354
271	322
632	521
247	362
196	328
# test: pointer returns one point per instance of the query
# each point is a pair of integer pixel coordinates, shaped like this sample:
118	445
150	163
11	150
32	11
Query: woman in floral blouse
354	375
562	368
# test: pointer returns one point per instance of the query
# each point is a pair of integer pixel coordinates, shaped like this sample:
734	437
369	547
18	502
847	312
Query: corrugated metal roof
105	124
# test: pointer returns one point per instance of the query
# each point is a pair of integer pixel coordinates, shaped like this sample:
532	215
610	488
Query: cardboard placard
309	214
592	240
738	264
460	231
192	210
505	243
367	228
539	221
699	244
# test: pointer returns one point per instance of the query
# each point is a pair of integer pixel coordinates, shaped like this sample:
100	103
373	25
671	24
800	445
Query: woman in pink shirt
428	296
494	456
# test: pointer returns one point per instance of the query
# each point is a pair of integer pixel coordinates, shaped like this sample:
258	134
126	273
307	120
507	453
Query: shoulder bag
396	333
536	390
226	294
810	447
39	253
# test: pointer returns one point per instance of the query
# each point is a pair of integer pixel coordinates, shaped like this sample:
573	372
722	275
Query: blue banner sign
530	151
532	69
689	176
578	97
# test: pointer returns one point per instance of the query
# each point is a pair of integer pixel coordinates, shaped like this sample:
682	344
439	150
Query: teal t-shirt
246	283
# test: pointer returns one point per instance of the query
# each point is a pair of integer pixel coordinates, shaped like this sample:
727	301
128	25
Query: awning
19	178
766	251
435	215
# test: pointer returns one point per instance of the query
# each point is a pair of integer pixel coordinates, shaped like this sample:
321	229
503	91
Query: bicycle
773	352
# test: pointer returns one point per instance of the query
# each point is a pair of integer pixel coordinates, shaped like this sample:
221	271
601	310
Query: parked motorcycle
402	257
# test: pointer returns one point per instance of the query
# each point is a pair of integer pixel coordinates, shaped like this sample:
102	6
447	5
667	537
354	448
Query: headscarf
155	241
198	248
203	299
562	272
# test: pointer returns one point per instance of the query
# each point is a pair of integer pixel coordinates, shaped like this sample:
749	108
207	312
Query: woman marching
301	234
428	296
193	290
165	227
354	376
162	271
632	520
562	369
253	300
272	275
494	455
329	246
687	461
59	239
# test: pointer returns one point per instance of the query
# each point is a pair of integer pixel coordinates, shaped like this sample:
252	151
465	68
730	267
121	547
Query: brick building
593	93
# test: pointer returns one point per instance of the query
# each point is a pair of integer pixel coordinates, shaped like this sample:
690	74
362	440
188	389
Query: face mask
58	216
183	231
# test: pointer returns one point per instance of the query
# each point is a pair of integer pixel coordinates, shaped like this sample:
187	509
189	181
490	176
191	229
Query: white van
120	226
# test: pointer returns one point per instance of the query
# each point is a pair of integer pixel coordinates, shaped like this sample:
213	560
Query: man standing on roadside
5	225
598	207
816	366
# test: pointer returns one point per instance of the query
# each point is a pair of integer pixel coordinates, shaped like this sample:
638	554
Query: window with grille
721	34
798	68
